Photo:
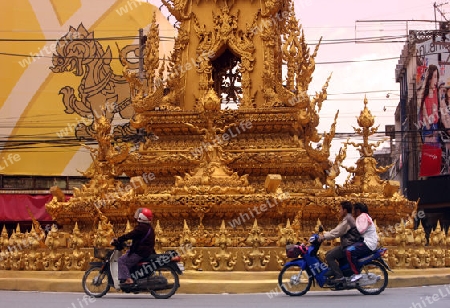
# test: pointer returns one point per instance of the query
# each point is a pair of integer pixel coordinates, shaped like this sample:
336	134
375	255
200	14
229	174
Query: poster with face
433	105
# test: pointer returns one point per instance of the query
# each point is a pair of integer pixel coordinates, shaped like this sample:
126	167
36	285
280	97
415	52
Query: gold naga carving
334	171
419	236
4	240
322	153
222	260
286	235
160	240
256	259
186	238
54	260
177	8
192	259
79	259
32	261
437	239
104	233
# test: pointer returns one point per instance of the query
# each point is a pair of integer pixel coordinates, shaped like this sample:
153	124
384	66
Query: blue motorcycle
298	275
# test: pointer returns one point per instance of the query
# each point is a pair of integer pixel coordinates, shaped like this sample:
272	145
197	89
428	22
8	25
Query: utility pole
142	40
437	8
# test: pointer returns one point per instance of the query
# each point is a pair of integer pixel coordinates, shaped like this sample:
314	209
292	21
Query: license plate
180	266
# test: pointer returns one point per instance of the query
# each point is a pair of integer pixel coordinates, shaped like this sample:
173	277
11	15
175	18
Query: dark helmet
362	207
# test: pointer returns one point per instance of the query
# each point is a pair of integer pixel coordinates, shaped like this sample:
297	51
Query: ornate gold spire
365	176
229	107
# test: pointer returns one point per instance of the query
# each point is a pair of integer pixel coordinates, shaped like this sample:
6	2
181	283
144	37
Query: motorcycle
297	276
157	274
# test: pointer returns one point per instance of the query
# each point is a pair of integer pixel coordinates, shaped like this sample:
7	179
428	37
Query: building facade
422	150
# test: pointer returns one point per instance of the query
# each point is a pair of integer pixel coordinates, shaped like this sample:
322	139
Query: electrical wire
15	142
376	39
109	38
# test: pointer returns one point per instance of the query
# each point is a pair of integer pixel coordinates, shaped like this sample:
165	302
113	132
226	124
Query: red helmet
144	215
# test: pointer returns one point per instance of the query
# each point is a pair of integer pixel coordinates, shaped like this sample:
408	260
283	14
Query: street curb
198	282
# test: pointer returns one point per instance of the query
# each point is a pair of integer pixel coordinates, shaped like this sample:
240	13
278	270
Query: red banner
14	207
430	163
420	76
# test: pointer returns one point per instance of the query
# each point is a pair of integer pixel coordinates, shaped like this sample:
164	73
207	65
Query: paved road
422	297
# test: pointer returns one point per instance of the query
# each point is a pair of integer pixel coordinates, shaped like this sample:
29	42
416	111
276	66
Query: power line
172	38
109	38
38	55
374	39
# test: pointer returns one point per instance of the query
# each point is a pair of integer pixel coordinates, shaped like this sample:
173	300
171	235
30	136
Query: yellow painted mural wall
37	134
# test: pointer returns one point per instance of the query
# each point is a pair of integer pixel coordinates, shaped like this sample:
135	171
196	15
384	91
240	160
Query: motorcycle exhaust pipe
154	283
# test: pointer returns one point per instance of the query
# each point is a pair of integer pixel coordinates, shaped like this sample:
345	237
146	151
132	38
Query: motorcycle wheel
172	283
378	287
95	283
293	281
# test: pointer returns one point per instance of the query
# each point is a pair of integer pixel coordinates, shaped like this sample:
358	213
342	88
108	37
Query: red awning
13	207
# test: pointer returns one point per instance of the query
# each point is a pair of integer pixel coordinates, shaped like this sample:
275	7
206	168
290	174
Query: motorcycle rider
366	227
143	244
334	255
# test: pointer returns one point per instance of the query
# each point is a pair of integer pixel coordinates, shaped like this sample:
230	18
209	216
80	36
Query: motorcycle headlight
313	238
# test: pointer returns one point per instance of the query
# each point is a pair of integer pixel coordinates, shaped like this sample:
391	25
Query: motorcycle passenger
334	255
366	227
143	244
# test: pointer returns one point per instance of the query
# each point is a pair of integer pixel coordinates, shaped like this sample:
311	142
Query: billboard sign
61	66
433	106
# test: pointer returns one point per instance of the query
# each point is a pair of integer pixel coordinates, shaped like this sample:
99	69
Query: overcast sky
336	21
